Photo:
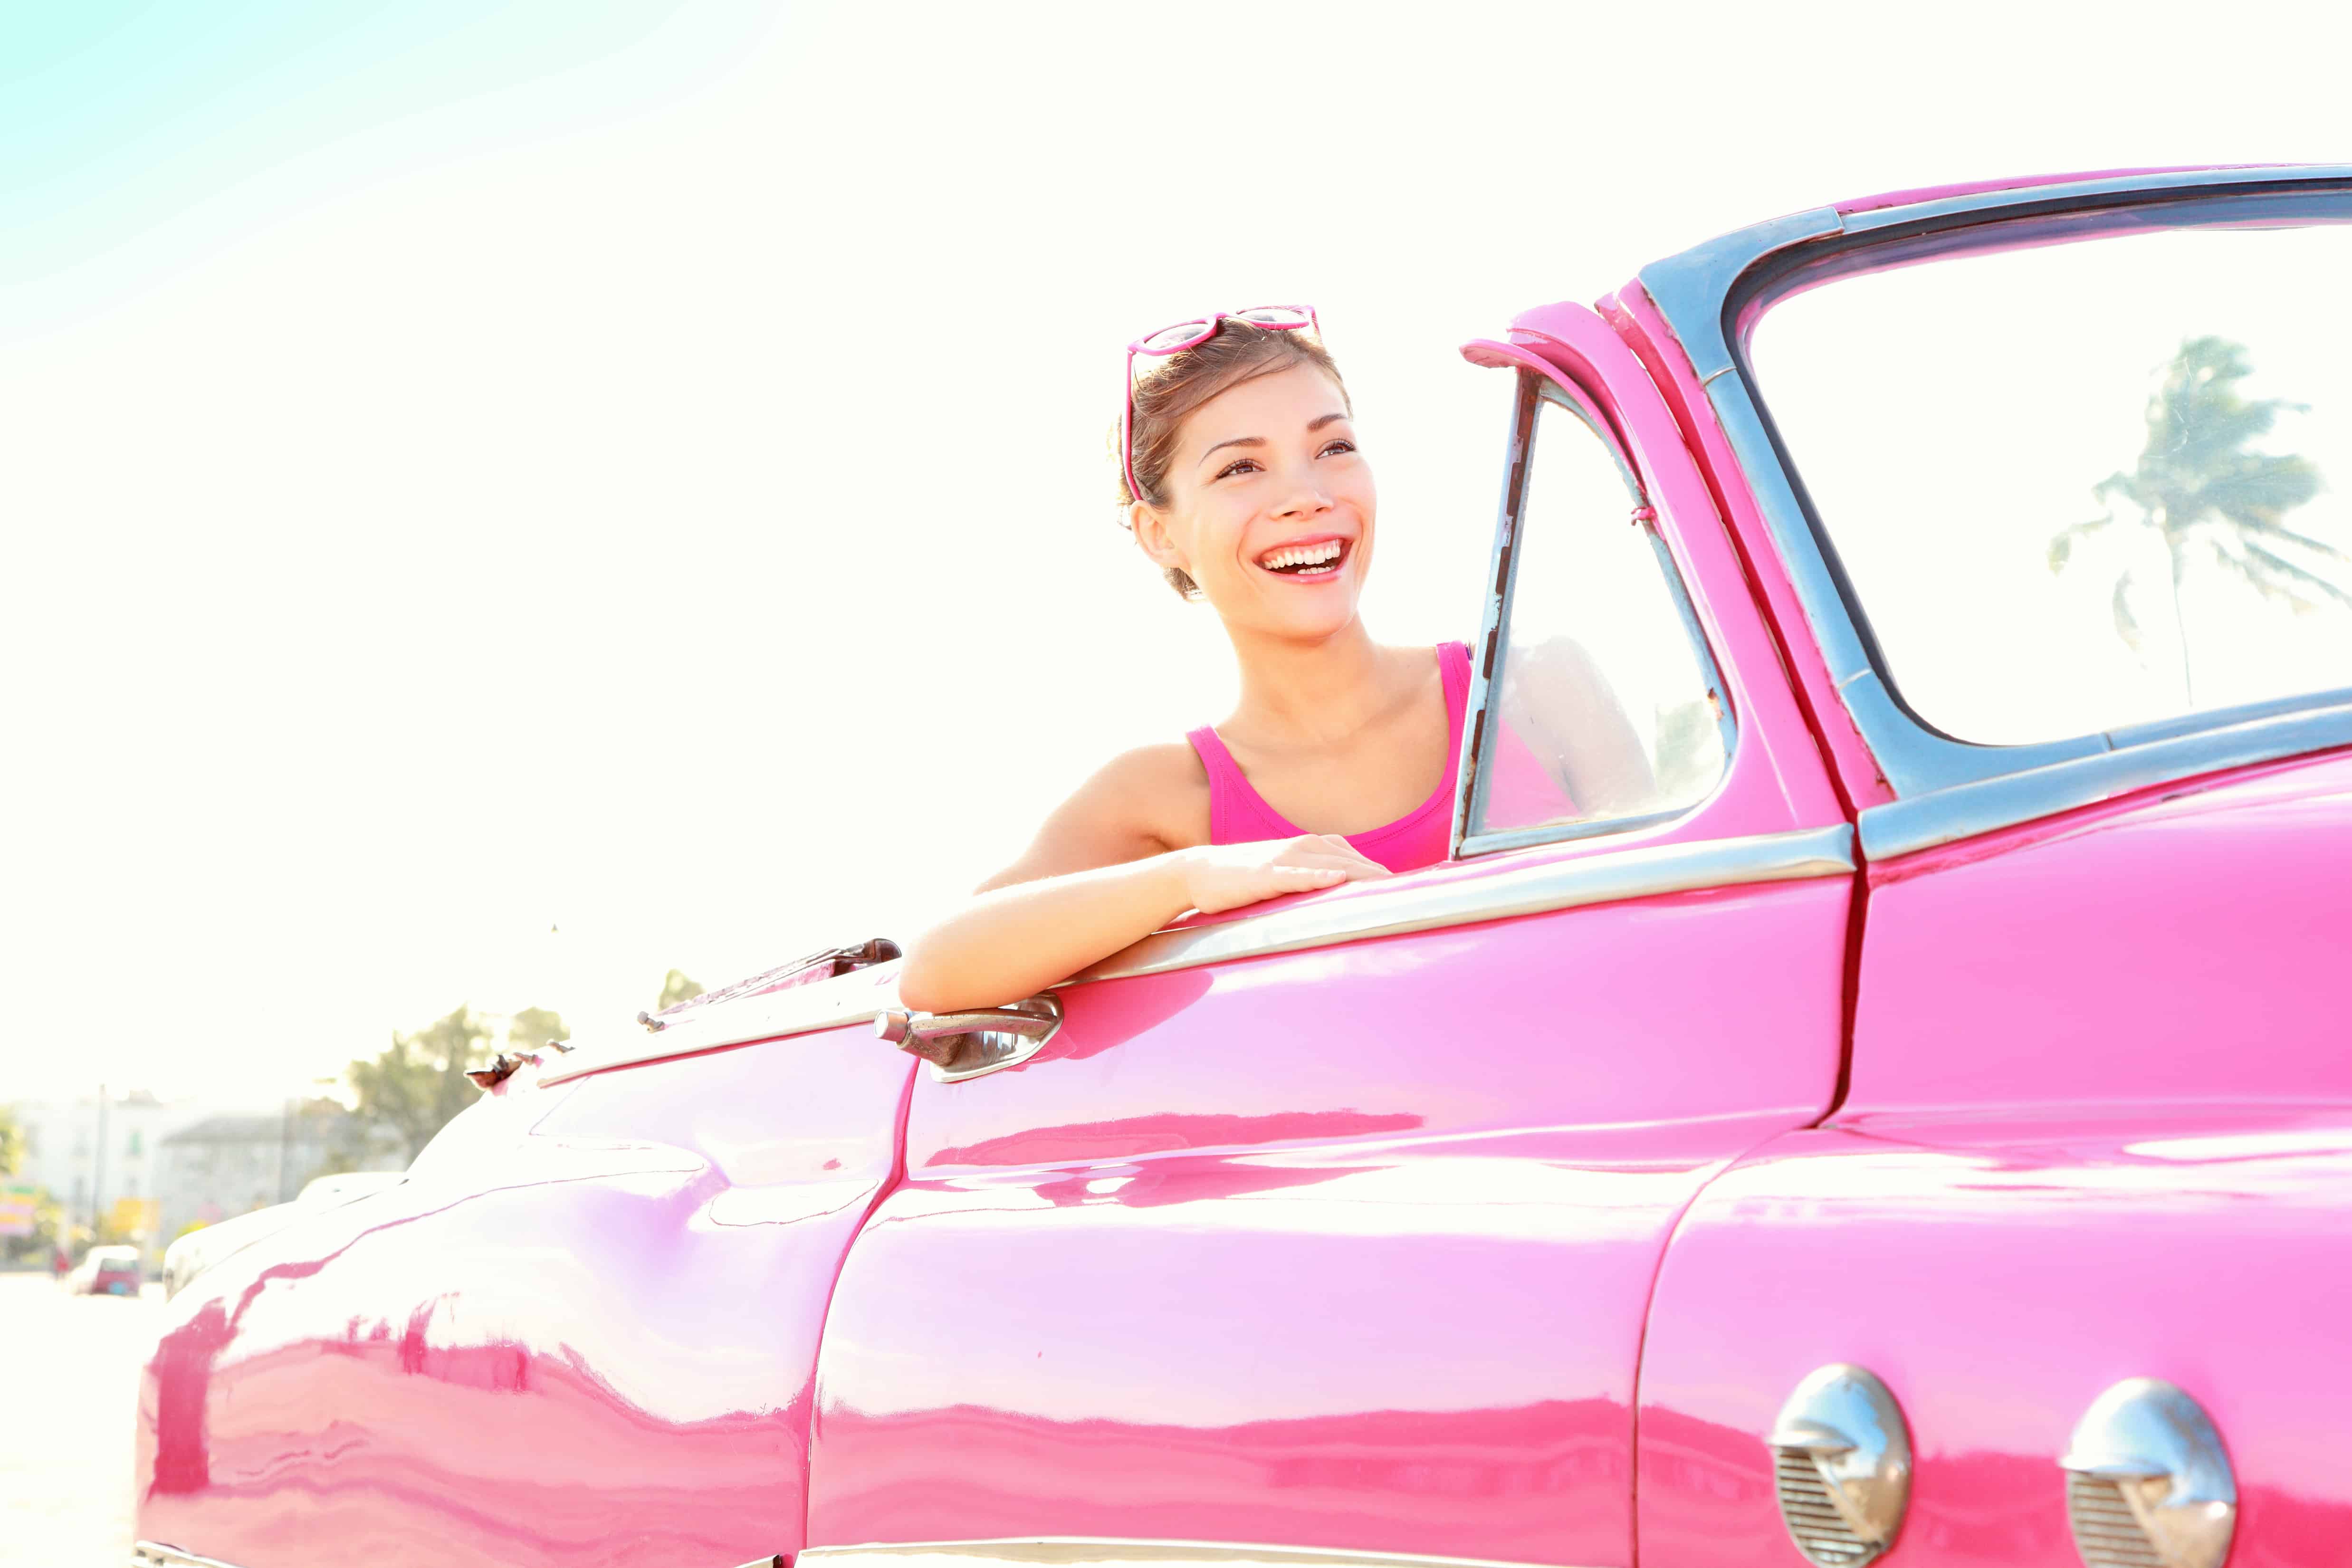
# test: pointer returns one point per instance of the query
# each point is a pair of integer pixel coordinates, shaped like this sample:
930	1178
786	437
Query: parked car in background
1915	1123
198	1251
106	1271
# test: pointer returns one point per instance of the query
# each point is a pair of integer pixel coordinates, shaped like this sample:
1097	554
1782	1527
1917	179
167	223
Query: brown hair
1167	393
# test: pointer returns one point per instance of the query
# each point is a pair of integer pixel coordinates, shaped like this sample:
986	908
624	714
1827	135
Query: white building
89	1154
219	1166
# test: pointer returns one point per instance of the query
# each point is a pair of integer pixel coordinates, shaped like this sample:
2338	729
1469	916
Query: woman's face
1270	506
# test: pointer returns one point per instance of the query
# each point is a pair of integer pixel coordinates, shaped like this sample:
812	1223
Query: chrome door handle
981	1040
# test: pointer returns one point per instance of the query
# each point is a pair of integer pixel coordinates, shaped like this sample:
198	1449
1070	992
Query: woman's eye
1342	444
1239	464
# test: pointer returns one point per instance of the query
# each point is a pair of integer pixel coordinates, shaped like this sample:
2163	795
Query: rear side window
2079	487
1603	712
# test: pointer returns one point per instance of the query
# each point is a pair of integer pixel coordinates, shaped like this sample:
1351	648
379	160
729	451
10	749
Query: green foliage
2200	490
676	988
1690	754
12	1139
418	1084
534	1027
48	1224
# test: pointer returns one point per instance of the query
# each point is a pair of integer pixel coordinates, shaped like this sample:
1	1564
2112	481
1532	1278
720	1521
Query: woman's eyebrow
1312	426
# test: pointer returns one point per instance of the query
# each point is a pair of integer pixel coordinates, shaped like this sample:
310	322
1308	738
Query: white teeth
1302	555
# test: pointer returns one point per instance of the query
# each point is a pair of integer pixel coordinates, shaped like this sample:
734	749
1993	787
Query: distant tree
534	1027
12	1155
2201	491
1689	752
679	987
418	1084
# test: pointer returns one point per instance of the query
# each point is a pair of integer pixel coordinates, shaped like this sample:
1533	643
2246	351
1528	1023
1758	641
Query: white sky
475	470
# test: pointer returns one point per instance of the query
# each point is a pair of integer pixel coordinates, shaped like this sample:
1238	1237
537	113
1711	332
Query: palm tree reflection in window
2201	491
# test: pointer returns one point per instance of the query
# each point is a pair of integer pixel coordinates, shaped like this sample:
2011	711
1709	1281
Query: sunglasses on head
1191	334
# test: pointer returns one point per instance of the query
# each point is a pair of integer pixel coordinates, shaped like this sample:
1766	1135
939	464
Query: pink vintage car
1914	1119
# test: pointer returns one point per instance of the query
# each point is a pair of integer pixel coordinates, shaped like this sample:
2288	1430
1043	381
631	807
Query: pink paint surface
2100	1127
583	1331
1999	1272
1344	1248
2174	947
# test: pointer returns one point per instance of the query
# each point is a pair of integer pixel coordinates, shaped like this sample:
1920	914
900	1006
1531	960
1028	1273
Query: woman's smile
1313	560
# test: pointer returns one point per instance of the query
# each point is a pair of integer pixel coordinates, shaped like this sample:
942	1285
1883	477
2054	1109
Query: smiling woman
1243	481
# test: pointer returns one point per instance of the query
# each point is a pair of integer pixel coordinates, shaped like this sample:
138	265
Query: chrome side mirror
967	1044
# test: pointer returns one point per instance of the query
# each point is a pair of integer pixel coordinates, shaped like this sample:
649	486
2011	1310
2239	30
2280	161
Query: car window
1604	711
2079	486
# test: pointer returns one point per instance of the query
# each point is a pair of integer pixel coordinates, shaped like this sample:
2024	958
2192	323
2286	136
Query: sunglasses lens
1167	340
1272	316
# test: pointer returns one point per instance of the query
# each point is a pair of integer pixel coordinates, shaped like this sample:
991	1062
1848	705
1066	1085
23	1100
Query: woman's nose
1304	498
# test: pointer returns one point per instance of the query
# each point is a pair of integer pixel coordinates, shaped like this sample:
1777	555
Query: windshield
2081	486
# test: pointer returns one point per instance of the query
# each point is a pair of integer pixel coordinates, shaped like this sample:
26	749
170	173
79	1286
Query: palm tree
2201	491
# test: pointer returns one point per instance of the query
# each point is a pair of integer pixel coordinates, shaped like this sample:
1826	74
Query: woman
1242	480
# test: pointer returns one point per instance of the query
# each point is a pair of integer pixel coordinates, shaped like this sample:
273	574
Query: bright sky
505	498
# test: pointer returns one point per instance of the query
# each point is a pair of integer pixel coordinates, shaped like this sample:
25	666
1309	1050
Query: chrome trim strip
1695	291
853	998
1963	811
154	1554
1567	832
1382	909
1058	1550
1379	910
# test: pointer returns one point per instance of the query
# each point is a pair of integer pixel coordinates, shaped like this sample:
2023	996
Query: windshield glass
2081	486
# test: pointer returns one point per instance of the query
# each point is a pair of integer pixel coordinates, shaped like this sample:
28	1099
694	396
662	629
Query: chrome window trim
1450	895
1492	893
1498	607
1503	576
1073	1550
1699	292
1965	810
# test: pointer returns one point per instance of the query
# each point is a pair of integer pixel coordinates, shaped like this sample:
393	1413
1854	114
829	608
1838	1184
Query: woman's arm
1098	877
1557	698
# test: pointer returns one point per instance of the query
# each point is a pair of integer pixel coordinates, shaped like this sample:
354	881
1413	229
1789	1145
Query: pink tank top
1239	814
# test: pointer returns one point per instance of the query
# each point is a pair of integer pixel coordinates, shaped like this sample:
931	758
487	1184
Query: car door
2076	1229
1330	1228
582	1332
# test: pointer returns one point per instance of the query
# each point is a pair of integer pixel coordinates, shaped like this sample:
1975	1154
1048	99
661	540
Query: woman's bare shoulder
1145	800
1157	792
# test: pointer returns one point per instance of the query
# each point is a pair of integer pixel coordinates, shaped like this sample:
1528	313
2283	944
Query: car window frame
1534	389
1945	789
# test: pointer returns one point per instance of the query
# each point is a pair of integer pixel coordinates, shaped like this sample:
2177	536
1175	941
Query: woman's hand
1227	876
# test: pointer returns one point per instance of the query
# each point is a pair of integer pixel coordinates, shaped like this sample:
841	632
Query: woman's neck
1309	694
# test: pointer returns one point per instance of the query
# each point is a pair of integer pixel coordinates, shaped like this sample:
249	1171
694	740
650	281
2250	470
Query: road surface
68	1399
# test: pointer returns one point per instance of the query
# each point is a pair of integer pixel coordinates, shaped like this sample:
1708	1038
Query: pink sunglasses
1191	334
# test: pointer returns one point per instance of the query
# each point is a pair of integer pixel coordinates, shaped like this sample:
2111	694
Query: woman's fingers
1337	845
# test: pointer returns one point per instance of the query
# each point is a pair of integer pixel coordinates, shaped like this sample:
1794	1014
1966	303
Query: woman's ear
1153	538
